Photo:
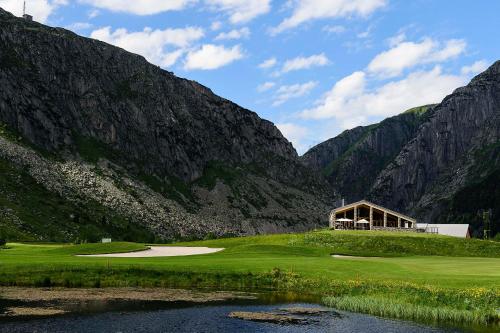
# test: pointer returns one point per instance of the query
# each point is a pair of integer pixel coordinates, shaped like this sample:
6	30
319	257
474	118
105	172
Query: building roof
456	230
367	203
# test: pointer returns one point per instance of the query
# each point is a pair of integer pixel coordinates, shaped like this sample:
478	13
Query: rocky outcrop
352	160
92	122
454	148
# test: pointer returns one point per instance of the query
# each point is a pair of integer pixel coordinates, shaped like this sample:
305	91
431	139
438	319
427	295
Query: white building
455	230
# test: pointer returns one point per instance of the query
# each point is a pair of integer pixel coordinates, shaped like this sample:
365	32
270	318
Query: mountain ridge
161	152
452	146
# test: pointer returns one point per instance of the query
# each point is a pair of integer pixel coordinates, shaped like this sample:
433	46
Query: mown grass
407	269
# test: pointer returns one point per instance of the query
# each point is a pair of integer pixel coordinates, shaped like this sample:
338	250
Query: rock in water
268	317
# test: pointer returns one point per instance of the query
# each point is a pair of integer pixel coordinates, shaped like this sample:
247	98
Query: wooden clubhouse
364	215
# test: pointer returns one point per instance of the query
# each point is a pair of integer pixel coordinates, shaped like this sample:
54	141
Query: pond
104	316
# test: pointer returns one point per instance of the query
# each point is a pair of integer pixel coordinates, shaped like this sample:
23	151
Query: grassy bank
411	276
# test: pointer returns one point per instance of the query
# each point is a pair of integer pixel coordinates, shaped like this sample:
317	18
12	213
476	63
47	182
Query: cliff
93	124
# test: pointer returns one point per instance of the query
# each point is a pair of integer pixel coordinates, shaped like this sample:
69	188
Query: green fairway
421	270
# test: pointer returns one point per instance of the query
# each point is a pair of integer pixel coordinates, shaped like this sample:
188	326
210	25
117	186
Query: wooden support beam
399	222
371	217
355	213
385	219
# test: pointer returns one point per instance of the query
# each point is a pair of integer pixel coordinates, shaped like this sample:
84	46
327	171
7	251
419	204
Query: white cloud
397	39
234	34
285	93
405	55
152	44
93	13
77	26
476	68
351	103
39	9
307	10
216	25
334	29
211	56
241	11
139	7
265	86
268	63
295	134
305	63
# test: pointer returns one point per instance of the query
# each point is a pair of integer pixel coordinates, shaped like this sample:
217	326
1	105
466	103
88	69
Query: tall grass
384	307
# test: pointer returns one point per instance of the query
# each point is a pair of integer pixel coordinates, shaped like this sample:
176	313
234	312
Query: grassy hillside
408	269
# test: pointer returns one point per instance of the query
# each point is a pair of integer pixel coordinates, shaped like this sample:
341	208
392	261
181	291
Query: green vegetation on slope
28	212
481	192
466	288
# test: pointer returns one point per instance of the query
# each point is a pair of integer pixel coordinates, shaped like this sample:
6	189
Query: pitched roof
368	203
456	230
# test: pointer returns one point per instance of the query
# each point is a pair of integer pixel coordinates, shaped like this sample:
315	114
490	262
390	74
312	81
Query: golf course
412	276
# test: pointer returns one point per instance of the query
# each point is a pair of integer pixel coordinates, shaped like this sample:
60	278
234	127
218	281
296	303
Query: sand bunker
160	251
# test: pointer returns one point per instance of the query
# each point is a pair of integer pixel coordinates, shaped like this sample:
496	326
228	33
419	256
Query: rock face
436	165
107	126
458	146
352	160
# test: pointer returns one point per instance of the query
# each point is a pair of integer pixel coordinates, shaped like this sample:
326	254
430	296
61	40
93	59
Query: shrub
2	241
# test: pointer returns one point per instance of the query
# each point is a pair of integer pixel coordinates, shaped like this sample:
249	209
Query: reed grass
384	307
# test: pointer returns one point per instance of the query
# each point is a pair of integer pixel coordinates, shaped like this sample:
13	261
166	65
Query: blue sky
313	67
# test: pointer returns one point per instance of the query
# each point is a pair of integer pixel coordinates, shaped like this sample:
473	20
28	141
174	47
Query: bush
2	242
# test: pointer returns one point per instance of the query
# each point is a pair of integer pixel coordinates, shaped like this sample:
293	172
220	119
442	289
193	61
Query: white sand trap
160	251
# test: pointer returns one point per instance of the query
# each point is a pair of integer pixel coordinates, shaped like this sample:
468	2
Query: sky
313	67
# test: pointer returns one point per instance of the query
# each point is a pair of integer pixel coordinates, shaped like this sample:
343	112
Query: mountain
115	146
352	160
440	164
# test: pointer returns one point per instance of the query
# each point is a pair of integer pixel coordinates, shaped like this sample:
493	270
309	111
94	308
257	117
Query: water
209	318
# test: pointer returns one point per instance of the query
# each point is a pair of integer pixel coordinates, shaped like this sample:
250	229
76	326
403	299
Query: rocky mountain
441	165
352	160
130	149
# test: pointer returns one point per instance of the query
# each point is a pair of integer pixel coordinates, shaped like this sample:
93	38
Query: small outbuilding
455	230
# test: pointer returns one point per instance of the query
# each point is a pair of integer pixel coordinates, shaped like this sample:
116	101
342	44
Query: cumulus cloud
78	26
296	134
139	7
407	54
268	63
234	34
211	56
241	11
476	68
307	10
397	39
216	25
334	29
265	86
349	101
161	47
287	92
39	9
305	63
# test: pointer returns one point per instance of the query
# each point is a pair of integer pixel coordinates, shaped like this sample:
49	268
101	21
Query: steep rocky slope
352	160
456	149
438	165
94	124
